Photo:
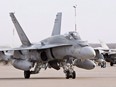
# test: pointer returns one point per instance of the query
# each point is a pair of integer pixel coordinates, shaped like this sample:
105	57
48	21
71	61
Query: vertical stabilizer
57	24
25	41
104	45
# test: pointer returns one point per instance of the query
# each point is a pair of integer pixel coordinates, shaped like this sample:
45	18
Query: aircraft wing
36	47
100	48
42	47
17	52
112	53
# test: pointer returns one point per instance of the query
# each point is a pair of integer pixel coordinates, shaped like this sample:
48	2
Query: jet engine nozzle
87	52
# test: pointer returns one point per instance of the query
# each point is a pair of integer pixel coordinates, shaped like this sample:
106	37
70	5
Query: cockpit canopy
73	36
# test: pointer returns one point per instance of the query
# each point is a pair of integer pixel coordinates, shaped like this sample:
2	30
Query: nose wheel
69	70
70	74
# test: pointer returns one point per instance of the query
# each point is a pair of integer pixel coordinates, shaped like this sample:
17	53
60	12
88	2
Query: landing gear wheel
73	75
27	74
67	74
103	65
111	64
70	75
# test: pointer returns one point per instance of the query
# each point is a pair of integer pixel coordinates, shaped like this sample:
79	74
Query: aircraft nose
87	52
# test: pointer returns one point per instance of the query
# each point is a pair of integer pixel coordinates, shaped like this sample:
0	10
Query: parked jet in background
99	58
109	54
55	52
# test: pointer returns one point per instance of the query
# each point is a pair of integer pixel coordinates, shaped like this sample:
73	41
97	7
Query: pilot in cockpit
74	35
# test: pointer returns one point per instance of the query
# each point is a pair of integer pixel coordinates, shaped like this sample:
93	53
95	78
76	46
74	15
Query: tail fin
25	41
104	45
57	24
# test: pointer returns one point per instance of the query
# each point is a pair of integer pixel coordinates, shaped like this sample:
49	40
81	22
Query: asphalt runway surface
98	77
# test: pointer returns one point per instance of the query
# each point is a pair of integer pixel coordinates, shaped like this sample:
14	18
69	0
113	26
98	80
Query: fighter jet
105	54
109	54
57	51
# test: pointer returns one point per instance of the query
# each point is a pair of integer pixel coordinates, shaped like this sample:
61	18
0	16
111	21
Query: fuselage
75	47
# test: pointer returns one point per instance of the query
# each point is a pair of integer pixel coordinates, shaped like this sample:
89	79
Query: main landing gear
68	70
38	67
27	74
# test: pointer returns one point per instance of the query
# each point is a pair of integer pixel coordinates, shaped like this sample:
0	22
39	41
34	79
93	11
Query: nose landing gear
69	71
70	74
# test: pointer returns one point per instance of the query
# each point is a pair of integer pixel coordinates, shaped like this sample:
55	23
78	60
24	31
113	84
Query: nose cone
87	52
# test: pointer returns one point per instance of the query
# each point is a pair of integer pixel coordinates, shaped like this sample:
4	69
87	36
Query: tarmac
98	77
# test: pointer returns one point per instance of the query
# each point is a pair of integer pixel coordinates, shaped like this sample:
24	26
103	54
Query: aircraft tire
67	74
73	75
103	65
111	64
27	74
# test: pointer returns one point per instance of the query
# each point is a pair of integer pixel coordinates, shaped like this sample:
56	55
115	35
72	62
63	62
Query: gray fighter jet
57	51
108	54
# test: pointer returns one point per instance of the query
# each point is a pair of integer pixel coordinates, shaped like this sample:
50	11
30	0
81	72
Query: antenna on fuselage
75	6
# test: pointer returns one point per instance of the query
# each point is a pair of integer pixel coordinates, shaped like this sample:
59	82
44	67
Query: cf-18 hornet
57	51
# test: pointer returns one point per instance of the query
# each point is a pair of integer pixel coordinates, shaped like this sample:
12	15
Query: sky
96	19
